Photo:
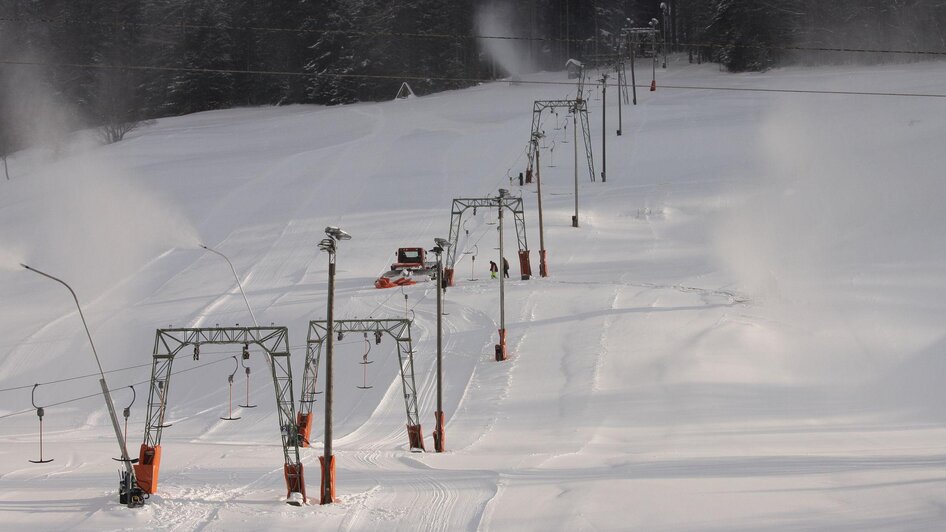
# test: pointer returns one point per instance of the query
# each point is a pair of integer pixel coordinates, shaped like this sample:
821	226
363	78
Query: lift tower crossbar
400	330
169	342
460	206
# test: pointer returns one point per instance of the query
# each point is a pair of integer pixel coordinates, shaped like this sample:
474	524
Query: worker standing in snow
493	270
505	268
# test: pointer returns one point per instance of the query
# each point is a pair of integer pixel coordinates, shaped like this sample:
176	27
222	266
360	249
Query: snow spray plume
838	196
10	260
95	224
499	18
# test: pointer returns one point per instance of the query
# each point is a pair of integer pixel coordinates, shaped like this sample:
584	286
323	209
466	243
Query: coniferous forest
115	63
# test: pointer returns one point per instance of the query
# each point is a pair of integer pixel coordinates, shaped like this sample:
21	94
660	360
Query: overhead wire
430	35
77	377
451	79
113	389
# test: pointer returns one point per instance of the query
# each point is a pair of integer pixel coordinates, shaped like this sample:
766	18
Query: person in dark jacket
493	270
505	268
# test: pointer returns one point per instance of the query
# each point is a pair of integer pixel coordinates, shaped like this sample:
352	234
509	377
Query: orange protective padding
653	85
328	479
304	421
501	346
543	264
146	470
384	282
448	275
528	175
438	432
415	437
295	482
525	264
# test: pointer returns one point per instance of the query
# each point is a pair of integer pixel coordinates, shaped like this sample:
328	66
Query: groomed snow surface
746	332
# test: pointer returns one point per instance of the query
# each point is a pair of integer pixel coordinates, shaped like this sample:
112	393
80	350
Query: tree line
114	63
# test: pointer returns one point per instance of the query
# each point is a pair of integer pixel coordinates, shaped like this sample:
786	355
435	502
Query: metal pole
104	385
501	347
575	135
438	428
633	74
543	266
666	27
237	277
620	111
328	465
604	128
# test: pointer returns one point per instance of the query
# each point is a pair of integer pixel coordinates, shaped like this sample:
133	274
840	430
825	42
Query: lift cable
434	78
427	35
112	389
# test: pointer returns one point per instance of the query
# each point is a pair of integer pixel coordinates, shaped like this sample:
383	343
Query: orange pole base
525	264
328	480
438	432
295	482
653	85
147	468
415	437
501	354
543	264
304	422
448	275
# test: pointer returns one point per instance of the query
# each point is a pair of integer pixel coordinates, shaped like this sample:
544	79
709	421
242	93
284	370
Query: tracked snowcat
411	267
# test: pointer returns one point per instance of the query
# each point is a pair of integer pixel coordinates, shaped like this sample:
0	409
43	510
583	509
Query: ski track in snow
649	385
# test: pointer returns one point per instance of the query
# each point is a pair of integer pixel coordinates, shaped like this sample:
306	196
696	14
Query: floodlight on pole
632	46
130	493
329	245
500	348
442	244
237	277
653	40
665	9
543	265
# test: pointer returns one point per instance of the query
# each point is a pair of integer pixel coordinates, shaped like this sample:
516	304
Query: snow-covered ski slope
745	333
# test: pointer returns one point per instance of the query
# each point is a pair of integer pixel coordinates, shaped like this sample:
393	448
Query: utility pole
575	142
665	9
330	246
604	127
442	244
618	68
501	354
632	45
543	266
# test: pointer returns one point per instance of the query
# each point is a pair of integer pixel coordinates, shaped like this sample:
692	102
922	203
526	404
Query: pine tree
205	50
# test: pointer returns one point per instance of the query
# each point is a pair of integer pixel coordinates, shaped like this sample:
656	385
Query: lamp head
442	243
327	245
503	193
337	233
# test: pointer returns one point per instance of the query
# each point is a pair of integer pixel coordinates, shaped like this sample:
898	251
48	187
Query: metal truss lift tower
400	330
577	106
460	206
169	342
